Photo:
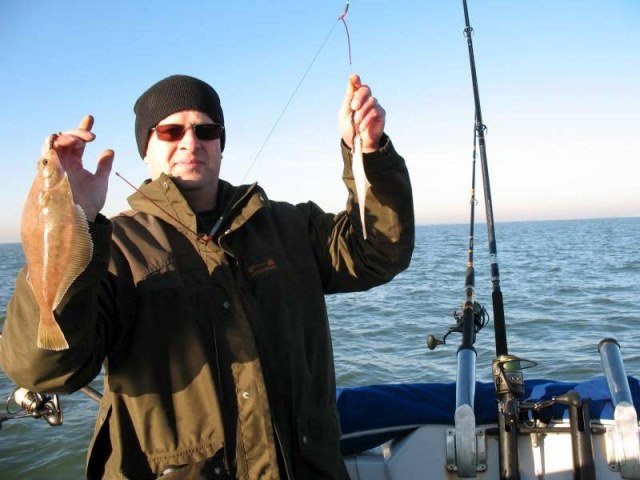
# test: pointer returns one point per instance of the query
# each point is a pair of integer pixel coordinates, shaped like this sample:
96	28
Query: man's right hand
362	110
89	189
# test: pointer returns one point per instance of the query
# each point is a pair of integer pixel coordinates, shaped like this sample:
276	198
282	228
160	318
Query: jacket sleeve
347	261
83	317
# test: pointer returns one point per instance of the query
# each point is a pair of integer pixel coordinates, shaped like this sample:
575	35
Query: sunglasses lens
173	133
170	132
208	131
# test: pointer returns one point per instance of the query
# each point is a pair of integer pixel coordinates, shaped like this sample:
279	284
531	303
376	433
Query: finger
86	123
354	82
367	111
373	117
48	143
364	102
360	97
105	162
70	137
353	85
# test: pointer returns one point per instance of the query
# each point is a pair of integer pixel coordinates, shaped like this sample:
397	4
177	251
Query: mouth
189	162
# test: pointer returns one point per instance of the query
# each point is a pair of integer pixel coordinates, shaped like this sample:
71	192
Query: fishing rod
480	129
463	454
506	369
466	459
473	316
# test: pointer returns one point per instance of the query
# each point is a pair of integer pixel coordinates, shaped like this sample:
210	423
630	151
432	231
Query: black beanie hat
170	95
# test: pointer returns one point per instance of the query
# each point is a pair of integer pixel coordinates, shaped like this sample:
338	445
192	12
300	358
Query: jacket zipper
276	432
221	398
229	209
284	455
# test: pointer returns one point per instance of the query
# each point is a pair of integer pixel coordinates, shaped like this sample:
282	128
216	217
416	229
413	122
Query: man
206	301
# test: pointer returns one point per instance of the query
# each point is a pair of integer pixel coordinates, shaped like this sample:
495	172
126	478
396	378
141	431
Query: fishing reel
507	374
33	405
480	320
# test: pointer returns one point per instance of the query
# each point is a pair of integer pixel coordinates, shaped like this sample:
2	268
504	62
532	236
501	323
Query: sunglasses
173	132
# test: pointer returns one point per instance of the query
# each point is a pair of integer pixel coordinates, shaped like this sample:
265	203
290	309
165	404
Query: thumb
86	123
105	162
354	84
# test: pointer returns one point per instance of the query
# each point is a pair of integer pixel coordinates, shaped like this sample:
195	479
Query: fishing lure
346	29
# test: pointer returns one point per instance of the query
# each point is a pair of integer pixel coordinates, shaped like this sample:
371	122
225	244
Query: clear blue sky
559	84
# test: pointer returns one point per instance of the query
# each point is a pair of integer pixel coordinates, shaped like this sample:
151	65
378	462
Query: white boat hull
422	455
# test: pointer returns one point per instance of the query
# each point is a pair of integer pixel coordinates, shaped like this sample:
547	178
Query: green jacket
154	302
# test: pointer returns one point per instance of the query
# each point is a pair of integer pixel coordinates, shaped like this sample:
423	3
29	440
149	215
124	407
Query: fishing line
341	18
207	238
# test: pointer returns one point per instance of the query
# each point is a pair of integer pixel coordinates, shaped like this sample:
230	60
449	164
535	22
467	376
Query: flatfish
56	243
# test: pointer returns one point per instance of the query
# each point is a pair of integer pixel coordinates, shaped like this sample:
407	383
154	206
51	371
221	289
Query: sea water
566	286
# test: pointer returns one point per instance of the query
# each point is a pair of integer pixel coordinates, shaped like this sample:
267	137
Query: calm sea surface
566	285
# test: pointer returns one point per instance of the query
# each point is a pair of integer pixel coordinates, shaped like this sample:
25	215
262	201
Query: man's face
193	163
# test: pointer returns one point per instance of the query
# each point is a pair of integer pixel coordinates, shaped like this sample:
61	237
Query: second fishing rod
506	369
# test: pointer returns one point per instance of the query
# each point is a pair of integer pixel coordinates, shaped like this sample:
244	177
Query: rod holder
613	367
626	442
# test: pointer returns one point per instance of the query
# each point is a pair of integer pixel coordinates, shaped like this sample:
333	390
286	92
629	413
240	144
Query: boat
564	430
505	429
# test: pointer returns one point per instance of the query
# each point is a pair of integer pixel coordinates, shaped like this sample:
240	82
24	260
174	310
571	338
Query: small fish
56	243
360	178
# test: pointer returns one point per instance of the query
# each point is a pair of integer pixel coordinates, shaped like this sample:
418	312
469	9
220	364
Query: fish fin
50	336
81	253
27	277
360	179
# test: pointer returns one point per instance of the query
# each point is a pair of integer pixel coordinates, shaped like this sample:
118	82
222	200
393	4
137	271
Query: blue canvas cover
390	411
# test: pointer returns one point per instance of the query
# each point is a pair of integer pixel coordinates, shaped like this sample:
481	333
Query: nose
189	140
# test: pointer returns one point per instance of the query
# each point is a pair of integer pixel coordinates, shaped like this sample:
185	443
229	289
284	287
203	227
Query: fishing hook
346	29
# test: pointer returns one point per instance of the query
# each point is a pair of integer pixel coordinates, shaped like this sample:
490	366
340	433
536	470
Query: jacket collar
163	199
239	204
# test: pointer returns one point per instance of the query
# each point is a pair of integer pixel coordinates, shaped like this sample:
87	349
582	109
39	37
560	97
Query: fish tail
362	216
50	336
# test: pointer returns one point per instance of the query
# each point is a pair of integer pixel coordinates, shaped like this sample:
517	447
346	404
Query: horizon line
478	222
